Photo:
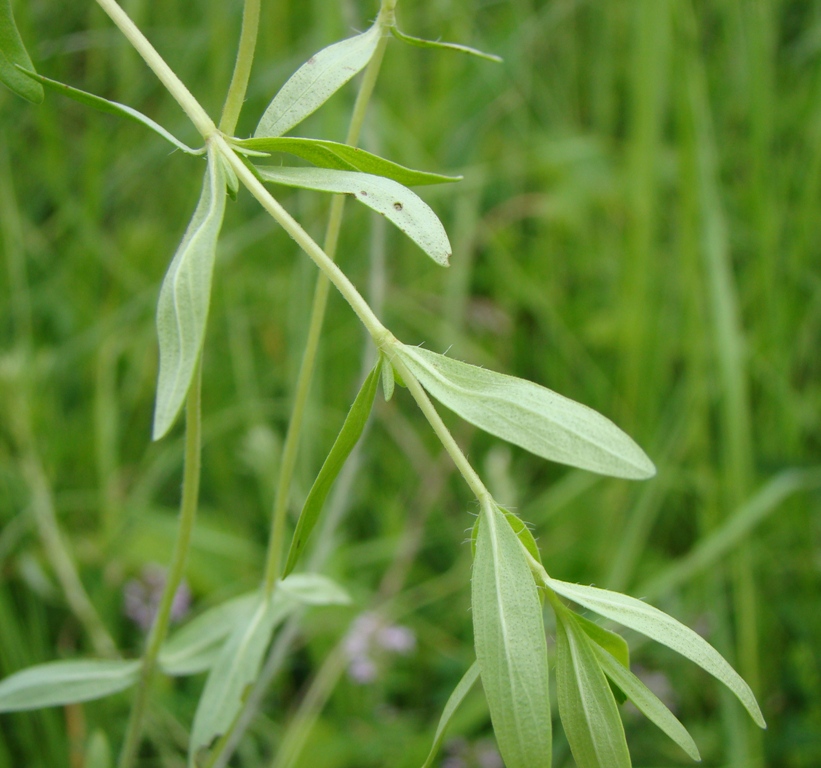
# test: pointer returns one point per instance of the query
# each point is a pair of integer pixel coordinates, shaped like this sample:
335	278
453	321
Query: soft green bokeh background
639	228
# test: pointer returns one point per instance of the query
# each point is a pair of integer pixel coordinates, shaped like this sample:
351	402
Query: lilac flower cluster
368	639
141	597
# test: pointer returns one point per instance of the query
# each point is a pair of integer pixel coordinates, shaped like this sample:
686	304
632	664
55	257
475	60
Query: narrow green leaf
528	415
459	692
646	701
403	208
343	157
519	528
589	712
195	647
613	644
182	309
314	589
13	57
664	629
523	532
236	667
66	682
111	108
421	43
510	644
316	81
343	445
388	379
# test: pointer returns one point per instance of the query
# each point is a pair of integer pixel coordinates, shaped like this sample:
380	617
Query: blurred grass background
637	229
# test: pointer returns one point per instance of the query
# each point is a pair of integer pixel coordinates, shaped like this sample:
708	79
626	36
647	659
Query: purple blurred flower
141	597
367	636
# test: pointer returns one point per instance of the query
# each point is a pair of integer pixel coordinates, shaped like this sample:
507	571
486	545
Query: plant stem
173	84
242	67
318	307
442	432
188	512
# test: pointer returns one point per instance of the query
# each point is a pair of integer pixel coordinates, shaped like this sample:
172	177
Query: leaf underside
182	309
528	415
510	644
403	208
316	81
664	629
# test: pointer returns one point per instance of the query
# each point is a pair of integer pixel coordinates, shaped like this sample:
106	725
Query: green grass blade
510	644
419	42
13	57
403	208
646	701
182	310
528	415
343	157
66	682
316	81
664	629
589	712
343	445
111	108
461	690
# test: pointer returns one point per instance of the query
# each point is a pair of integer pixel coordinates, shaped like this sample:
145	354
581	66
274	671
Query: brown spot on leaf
397	206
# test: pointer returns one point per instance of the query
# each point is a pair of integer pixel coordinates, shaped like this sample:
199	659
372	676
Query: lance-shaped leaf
519	528
646	701
614	644
403	208
388	379
343	157
343	445
529	415
65	682
182	310
459	692
14	58
236	667
589	712
421	43
111	108
196	646
316	81
664	629
314	589
510	644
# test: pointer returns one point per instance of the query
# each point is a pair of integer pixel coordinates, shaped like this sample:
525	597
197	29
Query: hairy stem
188	512
442	432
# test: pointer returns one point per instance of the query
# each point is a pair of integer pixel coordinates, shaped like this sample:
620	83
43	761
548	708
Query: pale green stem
173	84
242	68
318	306
306	242
442	432
188	512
